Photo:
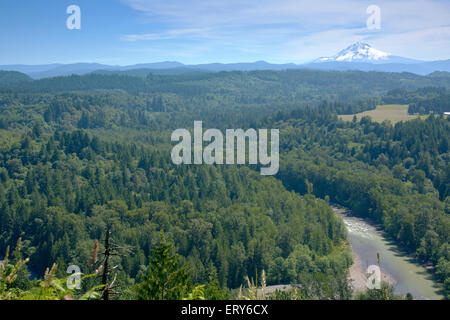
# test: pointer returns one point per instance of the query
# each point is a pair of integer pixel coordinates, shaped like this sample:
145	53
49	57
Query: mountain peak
357	52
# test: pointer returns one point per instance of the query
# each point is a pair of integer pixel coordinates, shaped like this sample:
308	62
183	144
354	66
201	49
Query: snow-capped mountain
363	52
359	56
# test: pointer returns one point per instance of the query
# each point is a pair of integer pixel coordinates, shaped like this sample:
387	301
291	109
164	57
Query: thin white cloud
165	35
298	30
419	44
248	12
398	13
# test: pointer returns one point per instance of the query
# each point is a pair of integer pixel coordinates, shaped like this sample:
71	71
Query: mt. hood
363	52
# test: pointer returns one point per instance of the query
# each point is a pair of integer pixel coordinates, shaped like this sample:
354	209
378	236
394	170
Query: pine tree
166	278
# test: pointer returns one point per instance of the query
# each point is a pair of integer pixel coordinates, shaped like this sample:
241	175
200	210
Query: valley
84	154
397	267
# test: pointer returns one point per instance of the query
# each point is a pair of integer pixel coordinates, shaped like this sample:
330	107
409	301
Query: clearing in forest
392	112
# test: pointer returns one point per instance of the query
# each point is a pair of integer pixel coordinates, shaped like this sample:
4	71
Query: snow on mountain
357	52
359	56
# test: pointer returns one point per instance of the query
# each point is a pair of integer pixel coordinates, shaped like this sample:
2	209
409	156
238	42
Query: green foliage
198	293
213	291
423	101
165	278
13	77
226	221
386	292
394	175
49	288
9	273
80	154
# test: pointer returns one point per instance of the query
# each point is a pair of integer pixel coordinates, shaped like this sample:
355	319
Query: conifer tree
166	278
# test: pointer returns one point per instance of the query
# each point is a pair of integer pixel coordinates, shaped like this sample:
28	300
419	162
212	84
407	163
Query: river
396	267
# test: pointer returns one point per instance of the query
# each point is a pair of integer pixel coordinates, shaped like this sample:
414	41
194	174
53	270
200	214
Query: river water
397	267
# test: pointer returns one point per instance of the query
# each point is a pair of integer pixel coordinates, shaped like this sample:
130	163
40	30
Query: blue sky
126	32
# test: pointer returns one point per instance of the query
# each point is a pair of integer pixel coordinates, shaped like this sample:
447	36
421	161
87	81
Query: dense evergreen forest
398	176
82	154
422	101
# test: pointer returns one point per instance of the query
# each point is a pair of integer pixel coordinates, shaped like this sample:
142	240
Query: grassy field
392	112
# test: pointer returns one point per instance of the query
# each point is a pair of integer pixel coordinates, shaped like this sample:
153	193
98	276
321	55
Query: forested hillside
62	193
398	176
421	101
13	77
82	154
